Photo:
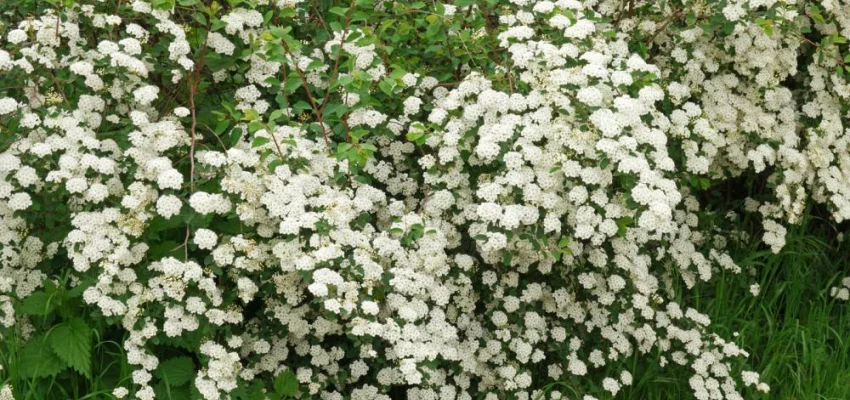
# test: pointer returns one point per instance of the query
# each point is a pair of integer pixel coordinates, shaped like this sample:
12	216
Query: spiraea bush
471	199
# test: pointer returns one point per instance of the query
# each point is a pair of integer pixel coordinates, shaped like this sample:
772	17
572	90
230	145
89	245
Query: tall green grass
798	337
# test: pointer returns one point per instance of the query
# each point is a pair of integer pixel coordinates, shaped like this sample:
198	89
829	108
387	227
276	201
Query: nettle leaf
38	303
164	391
37	359
71	341
176	371
286	384
253	392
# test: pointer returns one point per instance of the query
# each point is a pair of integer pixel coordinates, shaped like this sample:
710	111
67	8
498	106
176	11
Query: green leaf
71	341
359	16
221	126
38	303
358	133
275	115
253	392
433	29
176	371
279	32
163	4
254	126
292	82
341	11
163	391
38	360
235	136
286	384
386	86
557	254
201	18
342	149
251	115
622	224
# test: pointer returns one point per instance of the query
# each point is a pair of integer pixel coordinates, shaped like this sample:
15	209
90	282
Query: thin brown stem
838	58
223	147
193	88
338	55
312	100
319	14
676	14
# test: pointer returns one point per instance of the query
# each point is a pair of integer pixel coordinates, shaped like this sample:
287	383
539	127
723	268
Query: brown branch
347	128
193	88
59	88
319	15
309	95
838	58
338	55
223	147
676	14
277	146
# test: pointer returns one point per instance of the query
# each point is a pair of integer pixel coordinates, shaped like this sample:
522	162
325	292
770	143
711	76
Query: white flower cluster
841	292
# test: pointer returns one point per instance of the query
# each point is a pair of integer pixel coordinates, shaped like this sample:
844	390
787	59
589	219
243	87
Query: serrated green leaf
77	291
163	391
253	392
286	384
176	371
38	360
38	303
71	341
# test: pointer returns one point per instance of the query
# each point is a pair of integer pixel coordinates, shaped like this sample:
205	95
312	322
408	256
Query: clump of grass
797	335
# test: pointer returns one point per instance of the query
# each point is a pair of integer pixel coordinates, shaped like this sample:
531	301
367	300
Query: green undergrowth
797	335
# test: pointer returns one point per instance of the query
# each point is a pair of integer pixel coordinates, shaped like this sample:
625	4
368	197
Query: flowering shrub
483	199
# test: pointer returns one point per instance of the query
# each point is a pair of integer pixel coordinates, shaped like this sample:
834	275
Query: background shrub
375	199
